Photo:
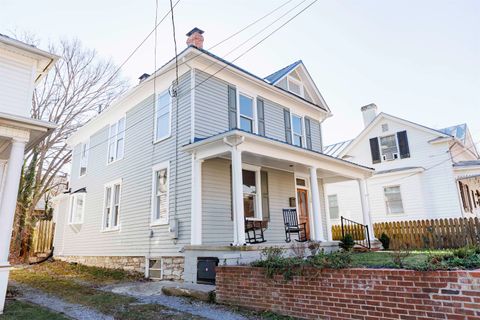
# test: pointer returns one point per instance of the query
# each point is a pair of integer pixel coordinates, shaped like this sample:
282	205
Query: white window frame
258	191
112	185
254	106
380	146
73	206
115	136
302	121
386	200
329	206
297	82
160	221
83	145
170	102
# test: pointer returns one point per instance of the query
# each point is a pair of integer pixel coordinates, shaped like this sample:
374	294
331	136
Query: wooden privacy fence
426	234
42	241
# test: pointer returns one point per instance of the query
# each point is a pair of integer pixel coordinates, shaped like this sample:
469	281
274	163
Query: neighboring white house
21	68
420	172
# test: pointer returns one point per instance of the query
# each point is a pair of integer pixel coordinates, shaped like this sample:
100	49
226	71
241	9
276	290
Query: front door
302	197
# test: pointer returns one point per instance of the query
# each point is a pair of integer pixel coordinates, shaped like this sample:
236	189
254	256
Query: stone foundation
173	268
136	264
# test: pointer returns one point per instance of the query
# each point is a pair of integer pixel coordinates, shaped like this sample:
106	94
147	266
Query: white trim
155	168
116	140
387	213
254	120
192	104
157	96
72	204
302	123
308	188
111	185
258	190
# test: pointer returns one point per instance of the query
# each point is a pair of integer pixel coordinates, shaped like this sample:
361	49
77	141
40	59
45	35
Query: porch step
200	292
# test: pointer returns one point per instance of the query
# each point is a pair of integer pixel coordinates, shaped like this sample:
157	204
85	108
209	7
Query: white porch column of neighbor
367	218
7	211
197	202
316	208
237	197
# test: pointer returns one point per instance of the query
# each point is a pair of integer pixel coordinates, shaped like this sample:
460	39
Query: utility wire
215	73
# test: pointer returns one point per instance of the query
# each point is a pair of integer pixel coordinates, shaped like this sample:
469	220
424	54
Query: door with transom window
302	209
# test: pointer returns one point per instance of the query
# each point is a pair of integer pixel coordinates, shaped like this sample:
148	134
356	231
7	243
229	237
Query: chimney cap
194	30
369	106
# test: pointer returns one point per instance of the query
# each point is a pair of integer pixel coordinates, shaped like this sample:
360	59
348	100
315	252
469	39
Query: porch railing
358	231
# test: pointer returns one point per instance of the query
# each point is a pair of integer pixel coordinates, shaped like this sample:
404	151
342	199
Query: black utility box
206	269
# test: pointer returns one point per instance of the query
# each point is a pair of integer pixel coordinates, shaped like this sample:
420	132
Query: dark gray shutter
265	201
462	195
261	117
403	144
232	107
288	125
375	150
308	133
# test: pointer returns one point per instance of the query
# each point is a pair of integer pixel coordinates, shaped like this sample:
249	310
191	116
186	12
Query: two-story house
420	172
171	172
21	67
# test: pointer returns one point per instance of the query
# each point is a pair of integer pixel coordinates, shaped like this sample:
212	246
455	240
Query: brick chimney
195	38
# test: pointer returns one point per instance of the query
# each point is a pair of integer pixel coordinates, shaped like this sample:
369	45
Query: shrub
334	260
462	258
399	254
347	242
385	240
269	253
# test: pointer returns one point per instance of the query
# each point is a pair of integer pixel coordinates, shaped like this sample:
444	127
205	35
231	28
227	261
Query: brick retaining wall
354	293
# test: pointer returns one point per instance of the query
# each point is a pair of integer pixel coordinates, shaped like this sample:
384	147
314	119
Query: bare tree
71	94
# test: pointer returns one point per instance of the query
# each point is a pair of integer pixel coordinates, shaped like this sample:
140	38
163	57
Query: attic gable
295	79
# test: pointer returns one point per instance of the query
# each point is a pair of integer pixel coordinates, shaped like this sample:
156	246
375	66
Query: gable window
246	112
83	158
77	208
116	140
333	206
252	202
111	208
393	199
297	130
163	116
160	194
389	148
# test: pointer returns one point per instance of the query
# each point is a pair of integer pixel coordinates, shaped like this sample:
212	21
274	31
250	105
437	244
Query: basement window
155	269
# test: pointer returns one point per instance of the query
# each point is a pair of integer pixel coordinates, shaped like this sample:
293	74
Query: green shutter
308	133
261	117
288	126
232	107
265	201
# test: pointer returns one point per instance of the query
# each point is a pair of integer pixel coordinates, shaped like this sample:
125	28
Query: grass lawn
19	310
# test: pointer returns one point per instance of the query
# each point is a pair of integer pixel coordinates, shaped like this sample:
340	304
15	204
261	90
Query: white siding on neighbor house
427	195
135	170
16	83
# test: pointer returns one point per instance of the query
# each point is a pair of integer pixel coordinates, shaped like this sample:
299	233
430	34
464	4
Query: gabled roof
335	149
458	131
277	75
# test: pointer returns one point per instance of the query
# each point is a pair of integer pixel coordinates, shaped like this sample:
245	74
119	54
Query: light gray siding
135	170
274	121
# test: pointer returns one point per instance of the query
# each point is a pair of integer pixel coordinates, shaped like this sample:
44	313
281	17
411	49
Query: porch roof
218	144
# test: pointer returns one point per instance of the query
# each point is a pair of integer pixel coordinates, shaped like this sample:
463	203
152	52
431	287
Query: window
162	116
83	158
297	130
246	113
116	140
295	86
333	206
111	209
77	208
385	127
393	199
160	194
388	147
252	202
301	182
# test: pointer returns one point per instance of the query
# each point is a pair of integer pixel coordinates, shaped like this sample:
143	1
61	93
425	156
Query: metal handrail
358	231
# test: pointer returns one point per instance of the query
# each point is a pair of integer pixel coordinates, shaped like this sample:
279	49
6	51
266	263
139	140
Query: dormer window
295	86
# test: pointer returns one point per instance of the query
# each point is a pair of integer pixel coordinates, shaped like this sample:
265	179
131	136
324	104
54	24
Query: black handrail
358	231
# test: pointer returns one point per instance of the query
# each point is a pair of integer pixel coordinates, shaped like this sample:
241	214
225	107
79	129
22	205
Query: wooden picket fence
42	241
426	234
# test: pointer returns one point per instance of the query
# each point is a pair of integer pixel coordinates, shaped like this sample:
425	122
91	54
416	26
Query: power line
212	75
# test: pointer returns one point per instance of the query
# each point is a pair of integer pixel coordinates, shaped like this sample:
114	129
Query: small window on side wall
77	208
111	209
393	200
83	158
163	110
116	140
160	194
333	206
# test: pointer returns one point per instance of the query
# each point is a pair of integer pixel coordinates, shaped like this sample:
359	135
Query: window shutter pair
232	107
308	133
261	117
403	144
288	126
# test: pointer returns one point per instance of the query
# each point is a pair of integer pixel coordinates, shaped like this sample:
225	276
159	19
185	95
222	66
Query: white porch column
317	210
196	228
237	198
7	211
367	219
3	164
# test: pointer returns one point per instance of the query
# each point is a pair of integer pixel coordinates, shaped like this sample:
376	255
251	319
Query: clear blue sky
419	60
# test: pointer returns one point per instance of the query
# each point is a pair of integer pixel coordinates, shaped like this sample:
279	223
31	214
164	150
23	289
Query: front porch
239	176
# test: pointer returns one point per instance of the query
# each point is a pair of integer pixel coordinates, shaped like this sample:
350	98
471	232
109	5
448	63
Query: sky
418	60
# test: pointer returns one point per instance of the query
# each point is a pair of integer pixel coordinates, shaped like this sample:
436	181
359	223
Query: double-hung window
163	111
116	141
77	208
389	148
83	158
252	196
393	199
111	209
246	113
297	130
160	194
333	206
